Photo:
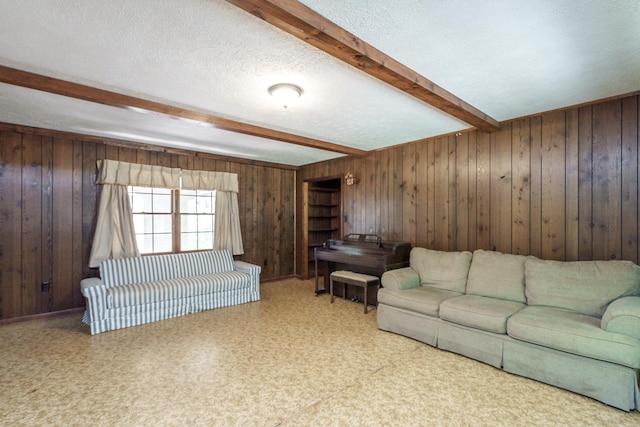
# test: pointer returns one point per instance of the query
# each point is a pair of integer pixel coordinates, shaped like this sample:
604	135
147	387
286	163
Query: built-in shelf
323	229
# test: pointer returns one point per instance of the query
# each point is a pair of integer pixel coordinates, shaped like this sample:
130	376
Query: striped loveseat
133	291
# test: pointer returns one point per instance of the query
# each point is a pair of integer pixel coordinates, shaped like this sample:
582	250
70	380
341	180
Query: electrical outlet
45	286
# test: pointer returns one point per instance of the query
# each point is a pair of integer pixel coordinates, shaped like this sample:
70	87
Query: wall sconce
350	179
285	93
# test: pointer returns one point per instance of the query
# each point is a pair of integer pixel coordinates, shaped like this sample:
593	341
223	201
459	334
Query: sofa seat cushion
574	333
488	314
423	299
174	289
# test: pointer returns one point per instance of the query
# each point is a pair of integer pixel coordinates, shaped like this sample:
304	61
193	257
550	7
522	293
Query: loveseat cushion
173	289
586	287
207	262
442	270
423	299
574	333
623	317
488	314
497	275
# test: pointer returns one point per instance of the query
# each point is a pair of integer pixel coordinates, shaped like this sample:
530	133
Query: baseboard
42	316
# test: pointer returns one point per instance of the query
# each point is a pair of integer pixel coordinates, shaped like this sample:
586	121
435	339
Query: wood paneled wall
48	204
561	185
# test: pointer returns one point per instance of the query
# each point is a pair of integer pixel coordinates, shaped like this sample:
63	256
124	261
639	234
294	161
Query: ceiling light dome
285	93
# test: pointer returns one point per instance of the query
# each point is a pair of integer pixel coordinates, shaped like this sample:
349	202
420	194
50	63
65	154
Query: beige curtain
227	228
115	235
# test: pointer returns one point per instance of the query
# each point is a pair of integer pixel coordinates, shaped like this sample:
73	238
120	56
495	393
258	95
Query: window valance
207	180
123	173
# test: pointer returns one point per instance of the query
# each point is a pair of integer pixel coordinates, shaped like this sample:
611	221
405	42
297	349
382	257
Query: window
161	215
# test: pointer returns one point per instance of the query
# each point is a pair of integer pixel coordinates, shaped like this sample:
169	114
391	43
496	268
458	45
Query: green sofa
575	325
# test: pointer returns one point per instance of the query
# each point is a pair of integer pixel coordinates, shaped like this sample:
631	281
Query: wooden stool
356	279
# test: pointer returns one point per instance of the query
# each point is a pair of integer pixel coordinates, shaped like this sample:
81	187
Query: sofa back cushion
497	275
153	268
442	270
124	271
198	263
585	287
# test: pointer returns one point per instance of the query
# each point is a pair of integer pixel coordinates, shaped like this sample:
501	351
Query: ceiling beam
87	93
304	23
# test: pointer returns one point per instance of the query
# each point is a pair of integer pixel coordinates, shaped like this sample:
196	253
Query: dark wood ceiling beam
87	93
304	23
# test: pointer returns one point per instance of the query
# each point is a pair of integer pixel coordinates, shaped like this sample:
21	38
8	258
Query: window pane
189	241
146	247
205	241
162	242
162	224
187	203
137	203
162	203
205	223
189	223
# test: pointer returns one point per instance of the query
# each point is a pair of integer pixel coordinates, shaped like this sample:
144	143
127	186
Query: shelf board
324	205
324	190
322	229
322	216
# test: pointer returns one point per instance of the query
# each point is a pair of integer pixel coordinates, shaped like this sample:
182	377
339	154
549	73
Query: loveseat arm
622	316
402	278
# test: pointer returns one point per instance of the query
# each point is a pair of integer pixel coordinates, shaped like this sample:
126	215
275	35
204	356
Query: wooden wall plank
31	297
572	240
385	200
630	177
452	194
607	180
62	283
553	185
396	191
77	225
11	149
585	180
521	187
441	193
409	192
535	248
473	190
46	241
462	192
90	195
422	195
483	191
500	228
371	194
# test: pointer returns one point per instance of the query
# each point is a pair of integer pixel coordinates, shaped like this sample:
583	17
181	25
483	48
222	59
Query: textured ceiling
507	58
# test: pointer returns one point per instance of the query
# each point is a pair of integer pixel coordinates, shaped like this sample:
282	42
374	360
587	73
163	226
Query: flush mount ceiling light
285	93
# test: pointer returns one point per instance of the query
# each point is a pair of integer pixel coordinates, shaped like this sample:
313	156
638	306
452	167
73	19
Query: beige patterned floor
292	359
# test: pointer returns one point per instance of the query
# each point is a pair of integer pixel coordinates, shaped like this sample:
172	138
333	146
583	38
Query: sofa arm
250	269
86	284
622	316
402	278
